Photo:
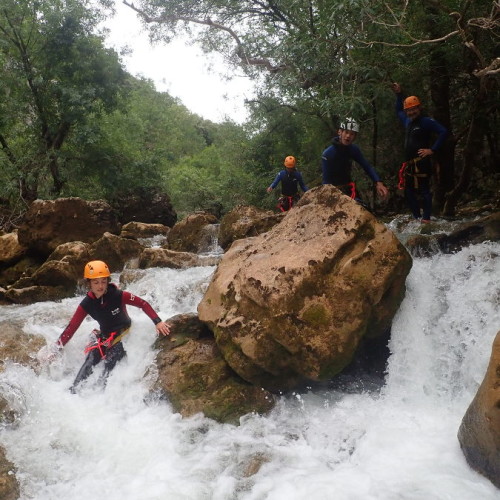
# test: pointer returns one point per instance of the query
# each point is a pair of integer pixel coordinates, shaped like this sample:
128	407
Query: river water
397	442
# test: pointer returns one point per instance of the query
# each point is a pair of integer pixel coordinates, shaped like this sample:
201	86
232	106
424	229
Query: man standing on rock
336	162
415	173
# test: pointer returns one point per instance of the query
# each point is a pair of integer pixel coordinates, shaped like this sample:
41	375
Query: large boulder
245	221
479	433
188	234
138	230
62	273
292	304
57	278
115	251
195	377
77	253
49	223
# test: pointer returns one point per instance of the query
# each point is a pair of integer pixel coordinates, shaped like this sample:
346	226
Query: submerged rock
16	347
9	486
195	378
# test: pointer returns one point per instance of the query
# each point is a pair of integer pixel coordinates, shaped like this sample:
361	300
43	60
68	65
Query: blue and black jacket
420	132
290	182
336	163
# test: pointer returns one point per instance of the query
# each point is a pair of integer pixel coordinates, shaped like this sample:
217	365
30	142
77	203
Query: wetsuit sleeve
134	300
399	109
276	180
72	327
358	157
301	182
437	128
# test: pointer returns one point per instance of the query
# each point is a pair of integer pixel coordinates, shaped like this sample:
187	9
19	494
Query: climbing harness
100	343
410	169
285	203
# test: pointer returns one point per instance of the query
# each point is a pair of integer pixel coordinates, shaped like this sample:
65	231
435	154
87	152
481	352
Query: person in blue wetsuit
290	179
423	137
336	162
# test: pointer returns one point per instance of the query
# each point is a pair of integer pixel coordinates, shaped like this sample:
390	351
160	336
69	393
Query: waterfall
209	241
394	443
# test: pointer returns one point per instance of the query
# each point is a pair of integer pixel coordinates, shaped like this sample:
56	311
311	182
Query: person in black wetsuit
416	171
336	162
290	179
107	305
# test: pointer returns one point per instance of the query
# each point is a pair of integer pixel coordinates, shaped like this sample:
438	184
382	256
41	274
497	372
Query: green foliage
73	123
219	177
56	76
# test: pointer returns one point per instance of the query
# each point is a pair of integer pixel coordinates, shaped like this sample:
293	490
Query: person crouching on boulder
290	179
107	305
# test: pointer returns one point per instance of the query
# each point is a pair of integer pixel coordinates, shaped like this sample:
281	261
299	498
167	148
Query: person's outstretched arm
134	300
73	325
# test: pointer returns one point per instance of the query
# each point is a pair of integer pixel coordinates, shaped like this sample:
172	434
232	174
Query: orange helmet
411	102
96	269
290	162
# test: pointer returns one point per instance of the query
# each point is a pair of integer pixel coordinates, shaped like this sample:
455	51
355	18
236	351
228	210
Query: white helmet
350	124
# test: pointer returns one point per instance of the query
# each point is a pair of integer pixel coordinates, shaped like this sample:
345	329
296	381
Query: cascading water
396	443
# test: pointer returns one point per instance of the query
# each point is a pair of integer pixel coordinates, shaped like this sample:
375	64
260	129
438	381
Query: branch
417	42
492	69
240	49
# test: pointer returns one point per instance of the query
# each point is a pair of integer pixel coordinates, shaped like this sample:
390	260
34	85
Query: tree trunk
444	159
473	148
471	153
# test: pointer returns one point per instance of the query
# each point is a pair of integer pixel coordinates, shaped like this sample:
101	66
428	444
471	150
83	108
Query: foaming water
398	443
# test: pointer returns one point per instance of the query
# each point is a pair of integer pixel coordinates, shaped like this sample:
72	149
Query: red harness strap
99	344
290	203
401	183
353	189
410	168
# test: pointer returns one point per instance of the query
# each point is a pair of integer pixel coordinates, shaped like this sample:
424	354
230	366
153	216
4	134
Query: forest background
73	122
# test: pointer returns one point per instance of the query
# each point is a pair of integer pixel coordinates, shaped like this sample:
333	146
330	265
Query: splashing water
398	443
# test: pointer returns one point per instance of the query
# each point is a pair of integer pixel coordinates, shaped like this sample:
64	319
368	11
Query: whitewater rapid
395	443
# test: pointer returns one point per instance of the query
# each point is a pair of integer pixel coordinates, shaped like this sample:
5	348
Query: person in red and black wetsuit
107	305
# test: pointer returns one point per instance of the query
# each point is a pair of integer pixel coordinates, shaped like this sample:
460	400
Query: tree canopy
73	122
56	75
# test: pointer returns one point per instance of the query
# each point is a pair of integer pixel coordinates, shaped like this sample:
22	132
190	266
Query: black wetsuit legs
113	355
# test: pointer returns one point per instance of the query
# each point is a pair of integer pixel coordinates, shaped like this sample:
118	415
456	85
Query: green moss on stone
316	315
